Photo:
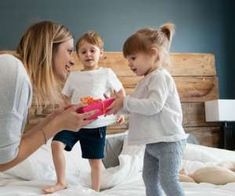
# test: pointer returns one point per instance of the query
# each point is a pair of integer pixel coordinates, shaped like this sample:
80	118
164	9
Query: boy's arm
121	93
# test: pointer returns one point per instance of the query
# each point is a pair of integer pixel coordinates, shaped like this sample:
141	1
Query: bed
122	180
196	80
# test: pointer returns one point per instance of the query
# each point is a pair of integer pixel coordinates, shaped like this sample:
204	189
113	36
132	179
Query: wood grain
183	64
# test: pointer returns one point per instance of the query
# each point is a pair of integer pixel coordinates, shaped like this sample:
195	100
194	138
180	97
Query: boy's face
89	55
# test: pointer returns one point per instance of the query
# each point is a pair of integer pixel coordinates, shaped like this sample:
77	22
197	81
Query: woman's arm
37	136
30	142
67	100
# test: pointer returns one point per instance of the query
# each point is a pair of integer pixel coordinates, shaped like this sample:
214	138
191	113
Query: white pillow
195	152
39	166
214	175
128	168
131	163
137	150
113	148
216	153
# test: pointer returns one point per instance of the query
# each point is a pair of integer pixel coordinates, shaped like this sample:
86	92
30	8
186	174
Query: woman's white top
15	99
94	83
155	113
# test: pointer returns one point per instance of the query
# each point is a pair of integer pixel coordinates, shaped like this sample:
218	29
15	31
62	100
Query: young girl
92	81
155	114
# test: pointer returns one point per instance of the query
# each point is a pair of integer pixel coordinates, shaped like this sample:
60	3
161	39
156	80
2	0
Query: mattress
29	177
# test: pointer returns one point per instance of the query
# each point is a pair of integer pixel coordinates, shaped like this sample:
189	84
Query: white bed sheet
125	179
131	187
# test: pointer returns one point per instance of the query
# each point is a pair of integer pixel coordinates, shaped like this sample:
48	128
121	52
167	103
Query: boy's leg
92	145
96	166
59	163
151	174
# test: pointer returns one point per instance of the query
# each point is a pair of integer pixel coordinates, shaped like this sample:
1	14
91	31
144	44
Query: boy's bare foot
54	188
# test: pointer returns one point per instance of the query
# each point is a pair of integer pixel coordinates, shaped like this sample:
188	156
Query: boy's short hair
91	37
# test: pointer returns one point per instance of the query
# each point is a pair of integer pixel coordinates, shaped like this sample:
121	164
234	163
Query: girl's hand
116	105
120	119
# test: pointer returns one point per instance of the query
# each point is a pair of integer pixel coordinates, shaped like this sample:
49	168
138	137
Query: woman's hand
70	119
64	118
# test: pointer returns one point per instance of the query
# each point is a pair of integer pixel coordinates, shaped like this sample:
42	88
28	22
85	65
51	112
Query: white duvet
124	180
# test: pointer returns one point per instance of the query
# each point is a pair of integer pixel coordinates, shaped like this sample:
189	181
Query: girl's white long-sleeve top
155	113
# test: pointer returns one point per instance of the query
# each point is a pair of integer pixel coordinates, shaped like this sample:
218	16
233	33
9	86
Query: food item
89	100
95	104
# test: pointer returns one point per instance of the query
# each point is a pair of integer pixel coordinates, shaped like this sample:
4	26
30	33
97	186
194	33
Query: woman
43	59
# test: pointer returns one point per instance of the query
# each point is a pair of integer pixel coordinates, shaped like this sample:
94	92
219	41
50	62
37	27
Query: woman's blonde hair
36	49
91	37
144	40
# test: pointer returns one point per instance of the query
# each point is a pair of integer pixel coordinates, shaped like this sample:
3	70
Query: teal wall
201	25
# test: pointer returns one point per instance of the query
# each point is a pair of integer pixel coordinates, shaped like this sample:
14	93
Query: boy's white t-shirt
93	83
15	99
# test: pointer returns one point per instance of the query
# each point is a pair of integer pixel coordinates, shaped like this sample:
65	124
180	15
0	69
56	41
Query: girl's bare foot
54	188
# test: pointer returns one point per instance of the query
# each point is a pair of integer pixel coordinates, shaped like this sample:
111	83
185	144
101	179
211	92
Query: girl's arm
158	90
121	117
117	105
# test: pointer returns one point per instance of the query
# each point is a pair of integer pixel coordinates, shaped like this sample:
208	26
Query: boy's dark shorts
92	141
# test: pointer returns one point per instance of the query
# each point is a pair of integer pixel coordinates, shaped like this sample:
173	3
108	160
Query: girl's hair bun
168	29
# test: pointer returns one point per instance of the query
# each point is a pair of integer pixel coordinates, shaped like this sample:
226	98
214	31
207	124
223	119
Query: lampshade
220	110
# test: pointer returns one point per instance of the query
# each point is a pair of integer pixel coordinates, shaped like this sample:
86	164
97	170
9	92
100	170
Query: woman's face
63	59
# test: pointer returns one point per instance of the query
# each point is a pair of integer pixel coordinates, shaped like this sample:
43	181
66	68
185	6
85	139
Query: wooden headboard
196	80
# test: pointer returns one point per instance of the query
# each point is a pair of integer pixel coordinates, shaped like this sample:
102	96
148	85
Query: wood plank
194	115
183	64
191	89
196	64
197	89
207	136
194	122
